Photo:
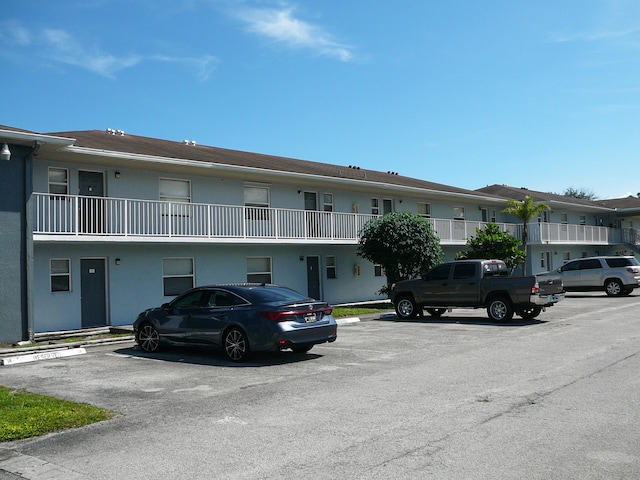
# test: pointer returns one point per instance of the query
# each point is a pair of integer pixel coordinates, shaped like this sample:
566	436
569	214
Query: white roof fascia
9	135
238	168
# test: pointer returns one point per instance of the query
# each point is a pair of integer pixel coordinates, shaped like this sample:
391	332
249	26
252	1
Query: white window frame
60	274
257	210
167	276
458	213
252	273
331	266
375	206
327	202
64	184
427	209
378	271
175	198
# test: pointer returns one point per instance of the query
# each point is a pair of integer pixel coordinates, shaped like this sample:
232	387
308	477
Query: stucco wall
13	312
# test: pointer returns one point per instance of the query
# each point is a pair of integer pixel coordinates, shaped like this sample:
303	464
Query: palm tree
525	211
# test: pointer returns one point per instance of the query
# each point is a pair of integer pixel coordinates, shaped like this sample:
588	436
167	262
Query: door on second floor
91	202
312	214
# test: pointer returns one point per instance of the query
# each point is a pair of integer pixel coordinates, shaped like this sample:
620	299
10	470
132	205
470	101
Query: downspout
28	190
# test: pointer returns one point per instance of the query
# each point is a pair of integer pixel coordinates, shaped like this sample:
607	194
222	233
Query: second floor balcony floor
94	219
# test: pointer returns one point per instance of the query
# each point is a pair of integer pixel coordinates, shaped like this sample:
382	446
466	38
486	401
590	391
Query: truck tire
436	312
406	307
529	313
500	309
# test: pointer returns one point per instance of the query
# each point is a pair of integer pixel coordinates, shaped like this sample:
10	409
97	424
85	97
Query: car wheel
500	309
148	338
613	287
304	348
406	307
436	312
235	344
529	313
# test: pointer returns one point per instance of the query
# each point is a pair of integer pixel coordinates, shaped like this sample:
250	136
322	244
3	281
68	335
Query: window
424	210
259	270
177	275
58	181
564	218
331	266
441	272
494	215
377	270
590	264
583	219
464	271
387	206
458	213
178	192
375	206
60	269
175	190
542	263
566	256
327	202
256	196
484	214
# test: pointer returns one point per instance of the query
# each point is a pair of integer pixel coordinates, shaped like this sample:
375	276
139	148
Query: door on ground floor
93	292
313	277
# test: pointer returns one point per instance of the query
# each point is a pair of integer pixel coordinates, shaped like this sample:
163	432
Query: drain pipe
28	190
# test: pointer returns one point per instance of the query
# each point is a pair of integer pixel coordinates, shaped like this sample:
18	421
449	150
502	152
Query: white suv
615	275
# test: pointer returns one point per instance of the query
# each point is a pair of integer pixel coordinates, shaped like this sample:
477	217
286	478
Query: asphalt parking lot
450	398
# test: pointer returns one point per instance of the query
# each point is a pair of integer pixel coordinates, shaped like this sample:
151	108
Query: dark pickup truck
476	284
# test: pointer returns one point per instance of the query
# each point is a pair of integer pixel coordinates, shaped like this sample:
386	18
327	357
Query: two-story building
98	225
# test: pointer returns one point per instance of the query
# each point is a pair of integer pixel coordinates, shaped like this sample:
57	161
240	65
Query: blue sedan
239	319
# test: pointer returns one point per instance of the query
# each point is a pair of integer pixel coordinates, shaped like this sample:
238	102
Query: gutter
28	189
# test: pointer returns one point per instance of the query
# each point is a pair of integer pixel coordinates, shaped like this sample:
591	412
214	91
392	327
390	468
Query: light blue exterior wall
136	283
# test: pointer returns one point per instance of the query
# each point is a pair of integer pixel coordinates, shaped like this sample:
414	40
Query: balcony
95	219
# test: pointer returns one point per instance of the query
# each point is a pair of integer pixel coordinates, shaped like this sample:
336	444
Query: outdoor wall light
299	191
118	261
117	174
302	258
5	153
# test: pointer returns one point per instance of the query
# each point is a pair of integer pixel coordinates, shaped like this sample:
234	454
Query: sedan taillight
295	314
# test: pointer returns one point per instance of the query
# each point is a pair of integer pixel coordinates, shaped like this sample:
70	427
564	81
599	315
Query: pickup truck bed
476	284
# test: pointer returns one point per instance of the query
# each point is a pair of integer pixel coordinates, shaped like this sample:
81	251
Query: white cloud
282	26
60	46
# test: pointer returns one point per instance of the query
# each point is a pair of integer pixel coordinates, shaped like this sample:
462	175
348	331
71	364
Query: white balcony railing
91	217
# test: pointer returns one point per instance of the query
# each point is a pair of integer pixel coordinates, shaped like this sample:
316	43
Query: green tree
580	193
491	242
403	243
525	211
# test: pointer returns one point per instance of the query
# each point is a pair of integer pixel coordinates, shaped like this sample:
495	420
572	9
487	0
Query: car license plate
310	317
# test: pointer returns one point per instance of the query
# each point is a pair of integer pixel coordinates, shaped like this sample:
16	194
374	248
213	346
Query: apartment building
98	225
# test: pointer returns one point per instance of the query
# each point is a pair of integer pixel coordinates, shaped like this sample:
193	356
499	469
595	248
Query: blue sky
540	94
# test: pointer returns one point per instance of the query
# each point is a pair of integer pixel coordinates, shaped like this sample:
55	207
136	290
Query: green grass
24	415
356	310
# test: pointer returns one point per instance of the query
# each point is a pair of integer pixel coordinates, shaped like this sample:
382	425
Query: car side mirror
165	306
